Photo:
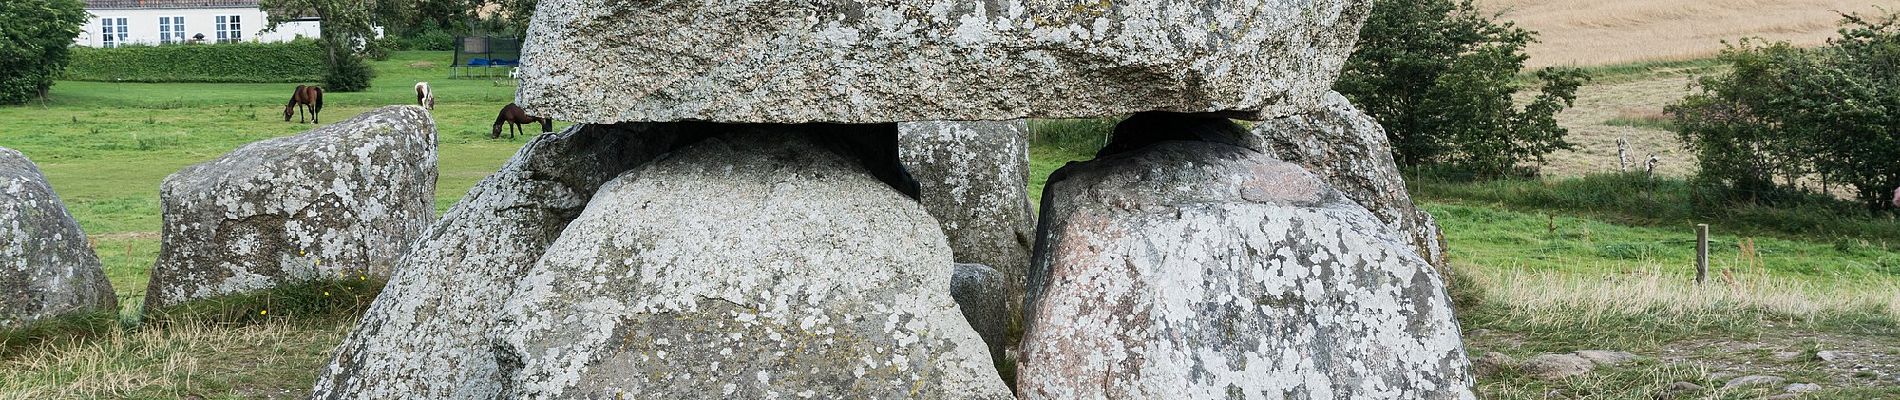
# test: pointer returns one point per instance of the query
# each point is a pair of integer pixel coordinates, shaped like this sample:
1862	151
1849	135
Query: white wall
142	25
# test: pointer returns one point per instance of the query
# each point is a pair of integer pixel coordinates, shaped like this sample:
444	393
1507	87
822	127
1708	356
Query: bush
1783	116
351	74
297	61
34	43
1441	78
432	39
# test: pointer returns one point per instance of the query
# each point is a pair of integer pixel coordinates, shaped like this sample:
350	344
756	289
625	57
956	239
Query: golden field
1606	32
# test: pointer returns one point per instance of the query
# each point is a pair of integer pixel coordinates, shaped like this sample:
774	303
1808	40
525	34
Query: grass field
1610	32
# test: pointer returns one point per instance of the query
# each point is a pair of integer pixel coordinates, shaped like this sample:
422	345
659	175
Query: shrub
34	43
1783	116
1441	78
297	61
350	74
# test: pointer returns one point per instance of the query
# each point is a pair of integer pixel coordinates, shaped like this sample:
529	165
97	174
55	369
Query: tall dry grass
1611	300
1606	32
271	360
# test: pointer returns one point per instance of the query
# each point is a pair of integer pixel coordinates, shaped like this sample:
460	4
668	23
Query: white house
117	22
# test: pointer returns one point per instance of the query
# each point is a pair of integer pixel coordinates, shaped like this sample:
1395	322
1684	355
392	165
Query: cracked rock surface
1349	150
46	267
754	264
427	335
855	61
1199	270
344	199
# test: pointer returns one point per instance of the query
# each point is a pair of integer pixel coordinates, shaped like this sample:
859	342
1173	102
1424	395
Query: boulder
1801	388
46	268
856	61
1350	151
1202	270
978	290
1492	364
343	200
1556	366
1606	357
974	179
427	334
805	278
1753	380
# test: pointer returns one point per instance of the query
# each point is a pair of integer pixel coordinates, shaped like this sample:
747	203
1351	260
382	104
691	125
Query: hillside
1606	32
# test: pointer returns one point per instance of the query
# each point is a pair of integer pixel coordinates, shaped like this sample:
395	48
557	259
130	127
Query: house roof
143	4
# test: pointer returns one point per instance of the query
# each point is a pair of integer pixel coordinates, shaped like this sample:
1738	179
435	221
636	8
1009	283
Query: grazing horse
515	116
424	97
310	97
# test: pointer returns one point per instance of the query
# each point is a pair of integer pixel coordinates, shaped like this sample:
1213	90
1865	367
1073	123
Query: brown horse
310	97
515	116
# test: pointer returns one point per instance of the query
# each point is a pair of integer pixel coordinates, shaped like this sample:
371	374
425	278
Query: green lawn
106	146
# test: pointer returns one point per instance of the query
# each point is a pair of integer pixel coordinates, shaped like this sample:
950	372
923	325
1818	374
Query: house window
171	30
113	32
230	30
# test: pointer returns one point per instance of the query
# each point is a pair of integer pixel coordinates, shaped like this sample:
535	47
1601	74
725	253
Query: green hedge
298	61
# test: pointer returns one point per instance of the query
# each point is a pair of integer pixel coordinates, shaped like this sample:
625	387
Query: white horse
425	97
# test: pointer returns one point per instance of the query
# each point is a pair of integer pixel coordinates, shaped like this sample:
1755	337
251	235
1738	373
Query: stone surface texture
855	61
1350	151
427	335
974	179
46	267
342	200
807	278
1199	270
978	290
1556	366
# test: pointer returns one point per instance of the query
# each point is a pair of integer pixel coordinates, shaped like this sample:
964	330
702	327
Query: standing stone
46	269
344	200
755	264
1349	150
974	178
427	335
978	290
1200	270
857	61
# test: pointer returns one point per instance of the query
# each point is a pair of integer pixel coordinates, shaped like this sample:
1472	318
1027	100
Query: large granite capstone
46	268
794	61
344	200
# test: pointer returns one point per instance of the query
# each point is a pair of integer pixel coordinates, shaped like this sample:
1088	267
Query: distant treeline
296	61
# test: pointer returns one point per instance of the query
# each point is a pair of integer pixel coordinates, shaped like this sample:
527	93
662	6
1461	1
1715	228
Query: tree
35	42
1783	115
1441	78
346	29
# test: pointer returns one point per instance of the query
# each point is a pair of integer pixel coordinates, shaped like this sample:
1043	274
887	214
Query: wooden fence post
1701	253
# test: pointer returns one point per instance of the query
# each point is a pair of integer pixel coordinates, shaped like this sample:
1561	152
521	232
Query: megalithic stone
857	61
1349	150
427	335
763	262
343	200
974	177
46	267
1189	269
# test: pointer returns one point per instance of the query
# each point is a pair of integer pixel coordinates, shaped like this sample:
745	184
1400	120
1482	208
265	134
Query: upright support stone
974	178
1201	270
427	335
763	262
343	200
46	269
1349	150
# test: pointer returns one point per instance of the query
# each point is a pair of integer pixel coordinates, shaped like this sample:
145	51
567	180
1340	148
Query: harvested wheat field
1606	32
